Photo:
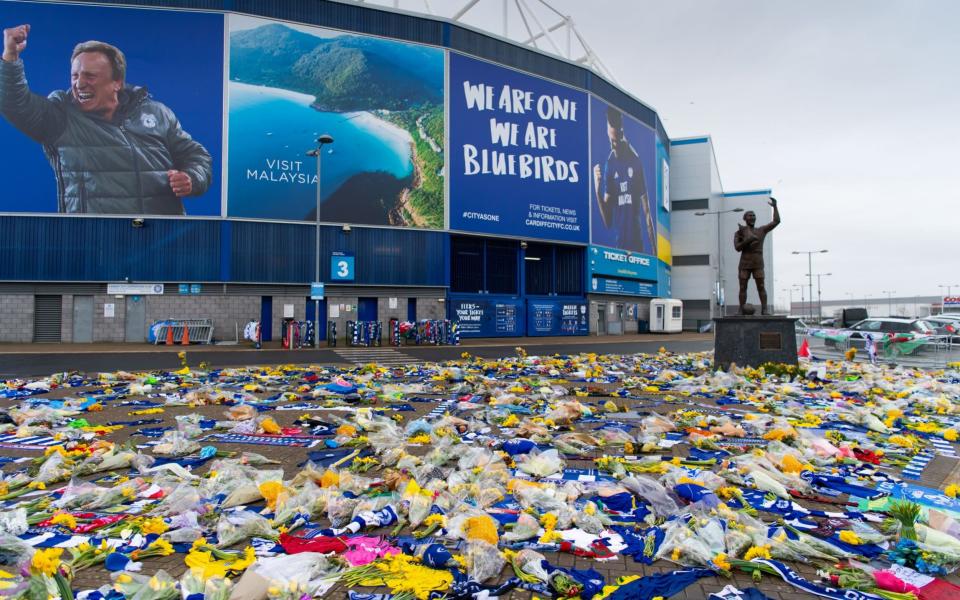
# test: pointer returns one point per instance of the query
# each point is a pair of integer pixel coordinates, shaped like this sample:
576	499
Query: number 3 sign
341	266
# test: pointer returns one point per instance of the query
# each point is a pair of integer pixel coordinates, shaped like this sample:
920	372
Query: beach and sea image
382	101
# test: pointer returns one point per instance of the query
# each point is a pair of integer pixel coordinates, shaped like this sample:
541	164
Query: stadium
465	177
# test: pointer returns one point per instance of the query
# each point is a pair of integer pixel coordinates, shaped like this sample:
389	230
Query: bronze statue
749	243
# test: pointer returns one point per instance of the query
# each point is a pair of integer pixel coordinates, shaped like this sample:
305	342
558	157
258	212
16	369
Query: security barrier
428	331
182	331
934	351
364	333
297	334
331	333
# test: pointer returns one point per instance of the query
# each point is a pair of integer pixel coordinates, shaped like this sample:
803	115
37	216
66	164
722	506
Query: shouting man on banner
113	149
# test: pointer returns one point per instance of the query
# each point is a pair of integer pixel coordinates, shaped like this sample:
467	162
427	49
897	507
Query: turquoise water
269	174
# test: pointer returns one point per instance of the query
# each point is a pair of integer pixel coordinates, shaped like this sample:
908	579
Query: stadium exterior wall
239	263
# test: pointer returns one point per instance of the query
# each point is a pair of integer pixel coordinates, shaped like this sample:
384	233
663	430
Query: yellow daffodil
720	561
65	519
153	525
849	537
758	552
46	561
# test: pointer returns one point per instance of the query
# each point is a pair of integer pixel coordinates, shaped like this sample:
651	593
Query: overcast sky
848	110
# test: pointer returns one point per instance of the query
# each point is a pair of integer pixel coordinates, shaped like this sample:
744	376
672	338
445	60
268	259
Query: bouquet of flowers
86	555
213	588
142	587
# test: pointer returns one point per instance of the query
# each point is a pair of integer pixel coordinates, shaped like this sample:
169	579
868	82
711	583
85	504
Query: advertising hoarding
518	148
488	318
556	317
381	101
143	142
623	181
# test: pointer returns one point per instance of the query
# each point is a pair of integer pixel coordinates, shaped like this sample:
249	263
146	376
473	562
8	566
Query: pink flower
364	550
891	583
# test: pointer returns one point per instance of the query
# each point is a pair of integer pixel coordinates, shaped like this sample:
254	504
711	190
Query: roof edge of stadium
500	38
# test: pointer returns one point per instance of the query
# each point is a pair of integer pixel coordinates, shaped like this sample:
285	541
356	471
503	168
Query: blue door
311	304
266	318
412	309
366	309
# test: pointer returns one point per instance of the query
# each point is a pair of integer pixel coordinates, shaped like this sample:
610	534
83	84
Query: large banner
111	111
518	148
623	181
381	101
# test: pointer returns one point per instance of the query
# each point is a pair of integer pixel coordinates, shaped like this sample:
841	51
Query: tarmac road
26	360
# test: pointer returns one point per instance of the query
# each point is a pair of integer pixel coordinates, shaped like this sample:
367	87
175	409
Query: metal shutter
47	312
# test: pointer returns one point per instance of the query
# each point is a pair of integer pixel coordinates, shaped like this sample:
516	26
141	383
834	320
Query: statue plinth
752	341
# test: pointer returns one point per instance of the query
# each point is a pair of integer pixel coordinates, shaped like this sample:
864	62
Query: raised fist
14	42
597	175
773	202
180	183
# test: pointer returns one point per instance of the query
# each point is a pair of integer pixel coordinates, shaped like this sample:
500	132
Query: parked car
847	317
945	326
879	326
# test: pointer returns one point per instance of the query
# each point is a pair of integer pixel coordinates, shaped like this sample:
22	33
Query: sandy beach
305	99
375	124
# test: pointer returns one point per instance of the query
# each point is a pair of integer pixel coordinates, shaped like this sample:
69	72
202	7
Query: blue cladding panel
101	249
95	249
263	252
623	101
492	49
284	253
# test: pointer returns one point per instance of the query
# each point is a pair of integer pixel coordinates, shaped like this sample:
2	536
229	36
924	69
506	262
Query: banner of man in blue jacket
105	112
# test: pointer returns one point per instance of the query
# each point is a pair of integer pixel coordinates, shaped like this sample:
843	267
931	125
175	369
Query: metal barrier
438	332
331	333
934	352
296	334
199	331
364	333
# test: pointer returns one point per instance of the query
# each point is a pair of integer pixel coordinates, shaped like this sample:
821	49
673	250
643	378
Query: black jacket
107	167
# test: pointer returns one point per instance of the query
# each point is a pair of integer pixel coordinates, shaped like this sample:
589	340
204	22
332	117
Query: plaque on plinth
750	341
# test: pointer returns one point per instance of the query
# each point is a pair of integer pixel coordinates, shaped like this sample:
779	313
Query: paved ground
23	360
291	459
27	359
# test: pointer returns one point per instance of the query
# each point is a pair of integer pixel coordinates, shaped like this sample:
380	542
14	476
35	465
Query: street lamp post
810	254
719	290
819	297
799	287
790	306
321	142
889	294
